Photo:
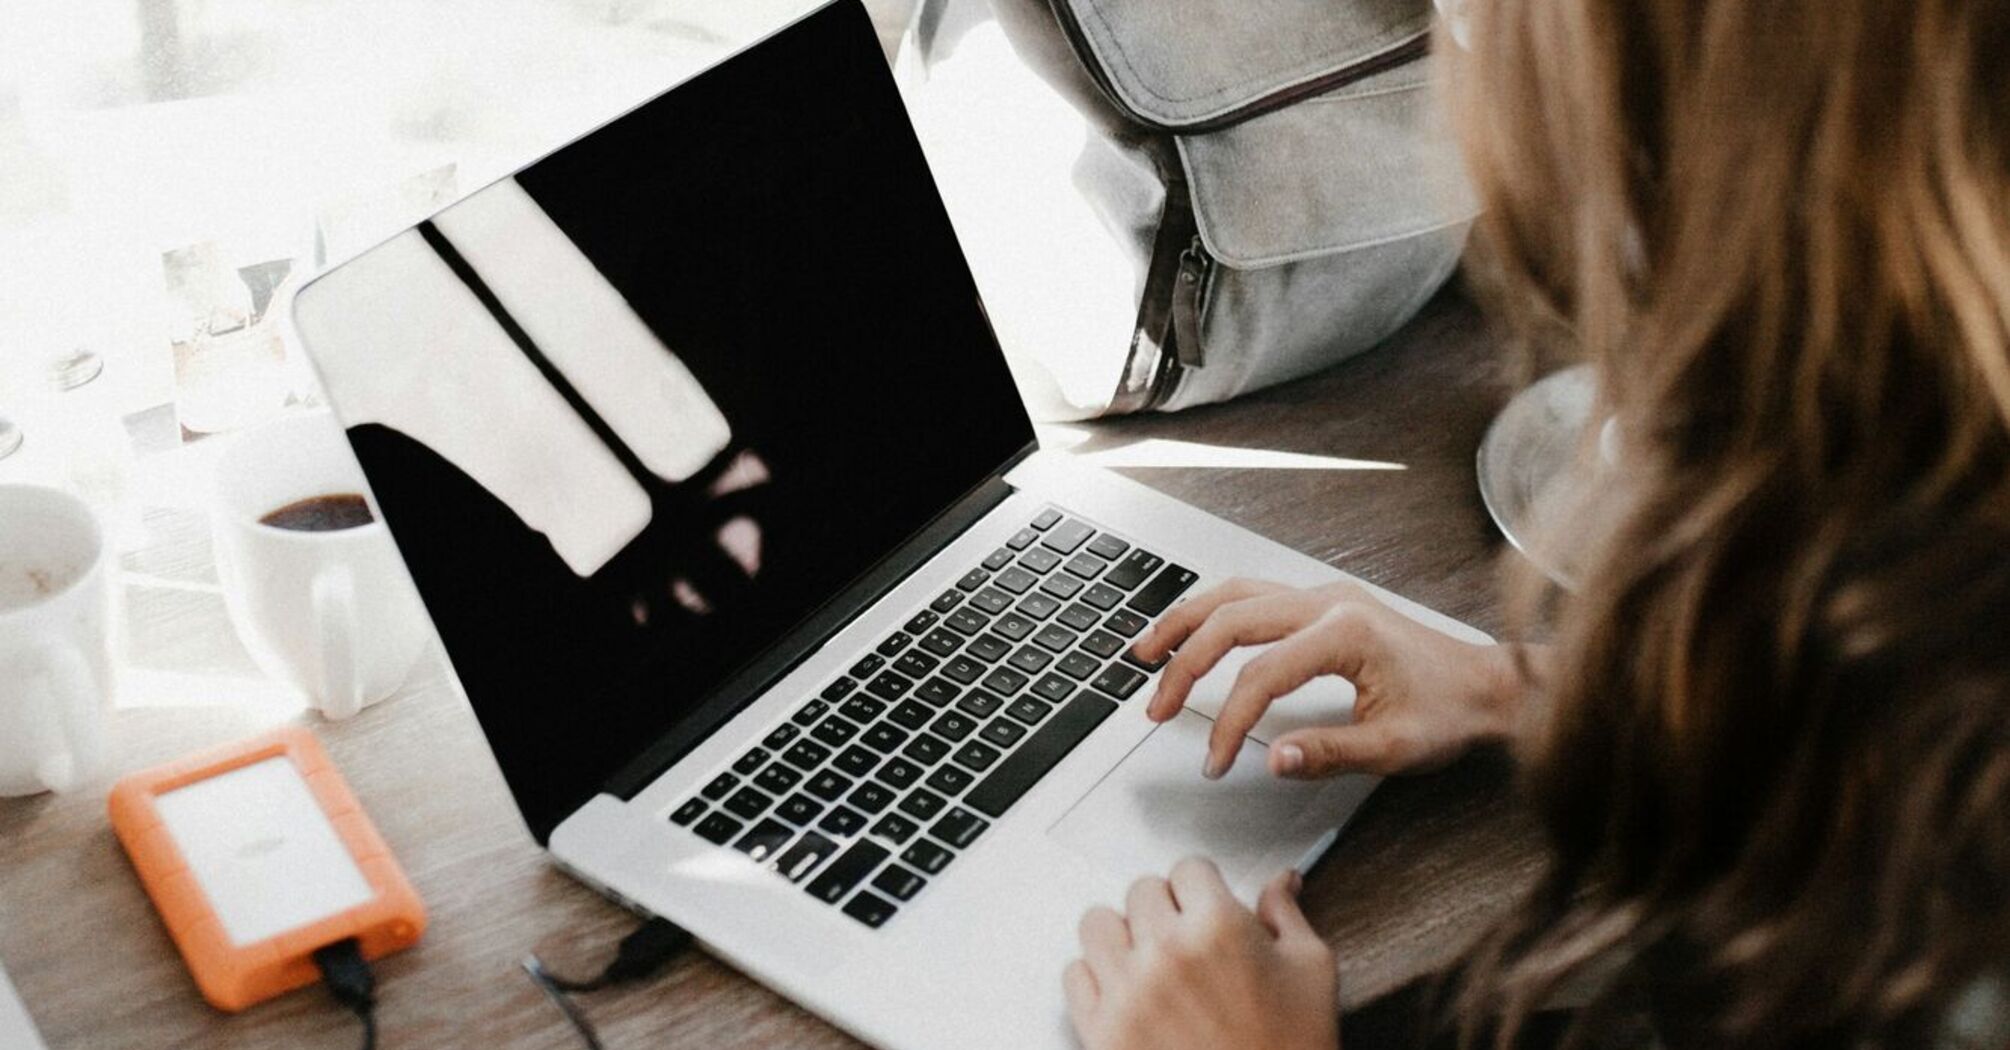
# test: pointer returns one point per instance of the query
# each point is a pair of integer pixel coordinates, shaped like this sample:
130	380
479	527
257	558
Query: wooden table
1424	866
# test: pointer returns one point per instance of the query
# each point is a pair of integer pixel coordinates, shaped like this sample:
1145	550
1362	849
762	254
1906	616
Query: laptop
703	458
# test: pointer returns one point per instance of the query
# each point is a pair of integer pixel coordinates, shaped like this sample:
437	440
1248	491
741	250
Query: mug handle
335	618
75	692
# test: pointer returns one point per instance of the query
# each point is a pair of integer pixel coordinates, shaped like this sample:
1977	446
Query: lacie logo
260	847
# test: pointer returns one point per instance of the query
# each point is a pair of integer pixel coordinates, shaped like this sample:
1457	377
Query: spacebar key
1041	752
1171	582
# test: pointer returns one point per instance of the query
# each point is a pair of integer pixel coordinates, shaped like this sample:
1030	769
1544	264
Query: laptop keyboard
873	787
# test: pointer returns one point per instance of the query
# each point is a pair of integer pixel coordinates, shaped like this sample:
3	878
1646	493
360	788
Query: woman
1770	740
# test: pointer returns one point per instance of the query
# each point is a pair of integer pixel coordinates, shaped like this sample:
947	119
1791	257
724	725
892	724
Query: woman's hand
1422	698
1187	967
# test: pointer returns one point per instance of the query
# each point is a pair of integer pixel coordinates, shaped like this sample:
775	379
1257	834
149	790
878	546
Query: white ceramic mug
55	651
333	613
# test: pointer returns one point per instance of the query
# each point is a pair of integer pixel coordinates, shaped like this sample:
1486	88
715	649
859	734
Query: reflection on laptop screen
636	412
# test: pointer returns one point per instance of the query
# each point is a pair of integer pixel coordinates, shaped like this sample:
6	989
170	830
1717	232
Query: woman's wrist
1508	676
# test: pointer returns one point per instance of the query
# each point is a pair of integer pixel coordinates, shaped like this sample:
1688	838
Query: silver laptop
706	464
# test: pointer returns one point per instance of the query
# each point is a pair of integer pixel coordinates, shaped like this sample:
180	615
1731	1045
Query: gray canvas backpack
1278	169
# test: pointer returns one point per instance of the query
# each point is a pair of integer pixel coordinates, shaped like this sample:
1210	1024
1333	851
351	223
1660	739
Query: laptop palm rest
1155	808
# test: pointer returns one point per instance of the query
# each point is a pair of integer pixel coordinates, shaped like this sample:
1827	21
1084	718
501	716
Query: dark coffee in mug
343	510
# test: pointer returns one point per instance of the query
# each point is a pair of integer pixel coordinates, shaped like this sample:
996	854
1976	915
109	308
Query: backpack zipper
1402	54
1194	267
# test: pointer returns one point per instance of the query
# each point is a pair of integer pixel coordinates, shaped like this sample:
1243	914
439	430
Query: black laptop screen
635	413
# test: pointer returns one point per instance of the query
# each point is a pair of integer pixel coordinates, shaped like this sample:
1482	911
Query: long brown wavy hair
1773	755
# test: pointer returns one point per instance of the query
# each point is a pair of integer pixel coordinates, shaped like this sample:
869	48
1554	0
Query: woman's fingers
1246	621
1309	754
1278	908
1198	888
1150	909
1180	621
1106	940
1079	985
1334	644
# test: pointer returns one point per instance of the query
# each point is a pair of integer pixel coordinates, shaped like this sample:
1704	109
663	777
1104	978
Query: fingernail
1290	758
1212	770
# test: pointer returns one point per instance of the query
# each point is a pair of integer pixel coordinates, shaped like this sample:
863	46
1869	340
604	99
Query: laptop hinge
798	645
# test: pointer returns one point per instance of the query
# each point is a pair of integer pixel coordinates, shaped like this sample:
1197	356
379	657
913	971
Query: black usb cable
352	984
641	953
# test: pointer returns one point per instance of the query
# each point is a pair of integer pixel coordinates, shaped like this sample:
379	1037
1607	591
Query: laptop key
926	749
1108	546
976	756
766	840
885	738
805	755
1055	637
750	763
870	909
1078	665
1134	570
810	712
839	689
1131	657
1039	754
1119	681
910	714
862	709
942	641
973	579
895	828
1031	659
1061	586
835	731
720	786
803	857
1048	519
962	670
946	601
871	797
1038	607
866	665
918	624
1003	733
899	883
1022	539
898	774
953	726
916	664
979	704
779	736
718	829
1004	681
1039	560
842	820
828	785
922	803
777	778
927	856
1103	596
1028	710
1017	580
1067	536
1126	623
689	811
989	648
949	779
1014	627
846	872
1154	597
747	803
1102	644
894	643
1053	687
959	828
799	809
890	686
1086	565
998	559
1081	617
857	761
968	621
991	601
937	692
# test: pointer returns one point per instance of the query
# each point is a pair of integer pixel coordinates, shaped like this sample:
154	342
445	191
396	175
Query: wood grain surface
1426	865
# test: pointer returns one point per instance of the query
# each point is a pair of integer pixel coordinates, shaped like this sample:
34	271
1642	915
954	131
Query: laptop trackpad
1155	809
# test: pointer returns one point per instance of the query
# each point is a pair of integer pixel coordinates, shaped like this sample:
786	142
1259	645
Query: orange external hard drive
256	855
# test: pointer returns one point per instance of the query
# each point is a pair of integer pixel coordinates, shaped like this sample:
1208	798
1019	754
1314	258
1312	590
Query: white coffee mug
55	651
333	613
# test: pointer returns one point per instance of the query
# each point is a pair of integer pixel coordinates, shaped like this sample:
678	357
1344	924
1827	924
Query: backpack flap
1204	64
